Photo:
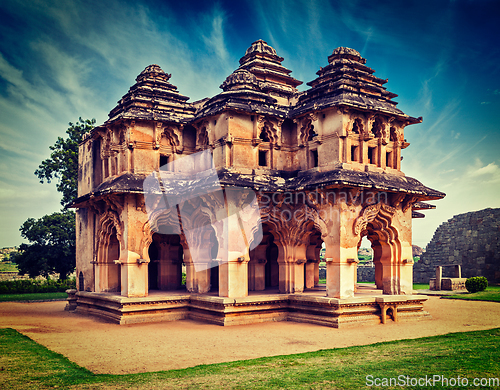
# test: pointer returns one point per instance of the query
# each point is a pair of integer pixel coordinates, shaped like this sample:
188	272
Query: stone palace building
217	210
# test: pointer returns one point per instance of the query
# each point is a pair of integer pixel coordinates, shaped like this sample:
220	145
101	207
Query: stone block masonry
471	240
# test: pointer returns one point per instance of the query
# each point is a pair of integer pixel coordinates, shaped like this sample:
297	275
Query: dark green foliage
52	237
36	286
52	245
476	283
34	297
63	161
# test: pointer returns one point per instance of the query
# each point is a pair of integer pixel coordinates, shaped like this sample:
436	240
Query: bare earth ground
104	347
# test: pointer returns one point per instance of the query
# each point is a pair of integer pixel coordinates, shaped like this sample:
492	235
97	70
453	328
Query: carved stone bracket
409	201
369	213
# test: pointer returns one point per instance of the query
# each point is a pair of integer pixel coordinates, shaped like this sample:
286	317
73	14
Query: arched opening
289	133
264	136
263	268
113	265
166	257
154	259
272	278
189	137
385	255
313	251
81	282
311	133
214	270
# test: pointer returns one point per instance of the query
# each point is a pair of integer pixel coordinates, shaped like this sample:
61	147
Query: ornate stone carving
369	213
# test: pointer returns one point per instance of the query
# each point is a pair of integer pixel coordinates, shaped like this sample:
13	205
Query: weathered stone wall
366	273
471	239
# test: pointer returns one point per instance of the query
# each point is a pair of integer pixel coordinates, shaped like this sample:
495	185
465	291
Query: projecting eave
423	206
147	114
366	180
415	214
127	183
362	103
273	181
252	102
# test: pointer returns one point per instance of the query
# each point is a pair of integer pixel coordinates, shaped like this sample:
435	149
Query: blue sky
60	60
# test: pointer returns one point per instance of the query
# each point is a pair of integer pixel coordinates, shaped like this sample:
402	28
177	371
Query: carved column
341	250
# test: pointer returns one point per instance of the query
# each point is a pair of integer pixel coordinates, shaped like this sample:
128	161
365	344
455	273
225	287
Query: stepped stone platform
367	306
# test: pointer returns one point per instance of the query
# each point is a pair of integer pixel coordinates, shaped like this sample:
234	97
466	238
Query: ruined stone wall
470	239
366	273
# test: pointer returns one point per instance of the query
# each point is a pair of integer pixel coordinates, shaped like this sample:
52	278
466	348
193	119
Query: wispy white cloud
215	40
489	173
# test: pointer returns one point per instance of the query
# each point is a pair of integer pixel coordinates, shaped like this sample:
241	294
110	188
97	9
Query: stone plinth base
449	284
320	310
71	300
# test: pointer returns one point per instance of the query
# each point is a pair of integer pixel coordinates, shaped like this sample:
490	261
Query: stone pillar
316	273
298	269
406	269
233	278
197	257
134	275
190	271
251	274
339	279
203	277
458	271
310	274
439	276
406	279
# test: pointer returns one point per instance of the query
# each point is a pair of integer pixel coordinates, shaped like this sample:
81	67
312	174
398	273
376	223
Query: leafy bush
476	283
36	286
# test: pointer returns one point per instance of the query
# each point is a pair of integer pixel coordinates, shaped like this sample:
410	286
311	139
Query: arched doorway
311	271
263	267
272	278
386	251
108	269
214	270
166	257
109	266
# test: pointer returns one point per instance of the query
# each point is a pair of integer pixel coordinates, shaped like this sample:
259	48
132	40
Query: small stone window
81	282
371	155
263	135
262	158
163	161
312	134
388	159
314	158
354	153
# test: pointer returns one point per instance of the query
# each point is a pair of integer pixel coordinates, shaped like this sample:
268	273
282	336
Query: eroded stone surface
471	240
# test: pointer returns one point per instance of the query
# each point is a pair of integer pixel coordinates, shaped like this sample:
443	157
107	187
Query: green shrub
476	283
36	286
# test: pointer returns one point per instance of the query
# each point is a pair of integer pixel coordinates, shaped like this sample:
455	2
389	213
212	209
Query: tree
52	245
63	161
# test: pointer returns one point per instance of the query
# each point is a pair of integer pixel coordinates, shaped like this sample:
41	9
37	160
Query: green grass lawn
8	267
32	296
28	365
420	286
492	294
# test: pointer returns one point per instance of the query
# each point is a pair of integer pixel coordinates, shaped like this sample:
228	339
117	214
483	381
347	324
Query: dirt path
108	348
